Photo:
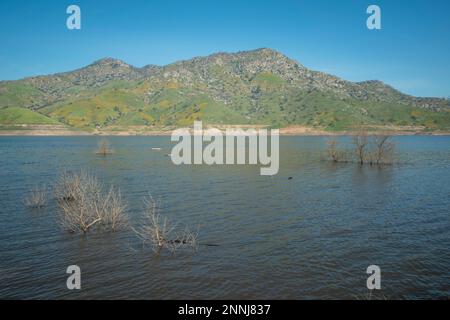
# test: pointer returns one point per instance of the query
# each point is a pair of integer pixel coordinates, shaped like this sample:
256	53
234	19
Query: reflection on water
309	237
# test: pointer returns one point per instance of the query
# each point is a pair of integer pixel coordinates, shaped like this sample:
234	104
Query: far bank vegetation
367	149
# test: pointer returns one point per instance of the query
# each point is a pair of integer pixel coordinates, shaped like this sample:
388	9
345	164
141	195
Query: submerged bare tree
83	204
159	231
70	185
361	142
374	150
334	153
154	229
114	210
383	150
36	198
104	147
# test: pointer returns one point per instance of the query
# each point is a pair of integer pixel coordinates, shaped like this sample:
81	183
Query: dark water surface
309	237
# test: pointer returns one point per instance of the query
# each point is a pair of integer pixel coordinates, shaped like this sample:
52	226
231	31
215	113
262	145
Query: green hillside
254	87
18	94
15	116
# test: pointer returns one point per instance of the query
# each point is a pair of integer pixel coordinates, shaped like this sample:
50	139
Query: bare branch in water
104	147
360	141
384	150
83	204
373	150
334	153
159	231
36	198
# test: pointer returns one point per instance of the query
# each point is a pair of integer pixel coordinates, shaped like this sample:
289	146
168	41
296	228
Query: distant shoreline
41	130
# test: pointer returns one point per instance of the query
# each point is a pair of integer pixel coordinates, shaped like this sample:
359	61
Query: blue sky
411	52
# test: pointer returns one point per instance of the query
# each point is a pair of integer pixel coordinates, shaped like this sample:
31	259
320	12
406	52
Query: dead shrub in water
383	150
373	150
159	231
36	198
70	185
104	148
83	204
114	210
334	153
361	142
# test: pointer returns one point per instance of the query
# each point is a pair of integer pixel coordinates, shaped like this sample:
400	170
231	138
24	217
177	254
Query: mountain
260	86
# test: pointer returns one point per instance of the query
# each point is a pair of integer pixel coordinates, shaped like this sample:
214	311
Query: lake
309	237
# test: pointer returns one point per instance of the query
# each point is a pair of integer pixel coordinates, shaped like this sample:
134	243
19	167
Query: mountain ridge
260	86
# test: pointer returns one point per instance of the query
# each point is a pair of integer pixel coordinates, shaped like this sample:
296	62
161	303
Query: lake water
306	238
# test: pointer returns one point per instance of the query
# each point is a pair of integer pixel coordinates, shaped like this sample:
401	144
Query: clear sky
411	52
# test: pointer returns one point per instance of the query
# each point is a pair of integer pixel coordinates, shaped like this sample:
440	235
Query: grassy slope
123	104
120	107
16	116
99	110
17	94
180	107
324	110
